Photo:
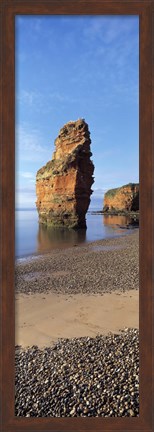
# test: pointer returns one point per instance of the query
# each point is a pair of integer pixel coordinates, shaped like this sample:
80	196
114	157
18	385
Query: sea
32	238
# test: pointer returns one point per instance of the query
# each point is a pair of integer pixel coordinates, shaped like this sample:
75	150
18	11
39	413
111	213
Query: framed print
77	215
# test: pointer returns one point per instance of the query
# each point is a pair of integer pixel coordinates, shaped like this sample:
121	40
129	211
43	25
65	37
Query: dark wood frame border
145	10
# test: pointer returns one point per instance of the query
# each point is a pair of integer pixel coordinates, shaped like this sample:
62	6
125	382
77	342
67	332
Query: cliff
63	185
125	198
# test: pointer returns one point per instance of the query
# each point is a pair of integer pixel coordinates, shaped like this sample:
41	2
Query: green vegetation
112	192
65	220
131	185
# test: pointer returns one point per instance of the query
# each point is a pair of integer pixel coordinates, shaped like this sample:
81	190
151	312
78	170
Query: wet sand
77	292
42	320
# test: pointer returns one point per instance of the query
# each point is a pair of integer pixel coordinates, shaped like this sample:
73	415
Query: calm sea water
32	238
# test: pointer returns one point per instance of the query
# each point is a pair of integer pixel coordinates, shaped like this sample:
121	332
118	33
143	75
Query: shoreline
115	212
96	267
74	355
123	231
78	291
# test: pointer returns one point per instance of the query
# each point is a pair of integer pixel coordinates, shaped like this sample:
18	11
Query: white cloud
98	192
30	145
30	189
25	196
27	175
30	98
37	24
24	200
111	42
59	97
108	29
47	102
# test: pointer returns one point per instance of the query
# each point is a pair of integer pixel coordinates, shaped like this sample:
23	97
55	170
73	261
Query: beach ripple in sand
80	377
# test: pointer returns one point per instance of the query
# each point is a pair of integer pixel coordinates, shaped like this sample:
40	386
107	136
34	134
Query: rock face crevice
125	198
63	185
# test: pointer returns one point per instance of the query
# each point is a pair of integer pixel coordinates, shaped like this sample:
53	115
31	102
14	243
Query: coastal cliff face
125	198
63	185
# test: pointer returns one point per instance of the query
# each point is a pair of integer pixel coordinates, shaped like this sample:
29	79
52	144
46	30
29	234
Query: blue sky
73	67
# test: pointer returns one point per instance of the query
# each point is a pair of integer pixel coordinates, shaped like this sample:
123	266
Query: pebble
82	270
79	377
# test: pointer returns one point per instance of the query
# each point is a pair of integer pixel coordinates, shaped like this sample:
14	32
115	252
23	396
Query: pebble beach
98	267
80	376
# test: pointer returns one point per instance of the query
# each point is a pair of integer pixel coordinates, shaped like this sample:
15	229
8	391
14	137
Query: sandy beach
67	301
78	291
43	320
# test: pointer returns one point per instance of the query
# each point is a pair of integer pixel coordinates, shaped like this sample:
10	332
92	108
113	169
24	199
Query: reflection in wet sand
51	238
32	239
121	221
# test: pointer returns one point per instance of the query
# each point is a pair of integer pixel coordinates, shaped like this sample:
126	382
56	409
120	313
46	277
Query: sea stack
63	185
124	198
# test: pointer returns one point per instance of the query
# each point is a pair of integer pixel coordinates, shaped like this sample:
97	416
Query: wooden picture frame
9	8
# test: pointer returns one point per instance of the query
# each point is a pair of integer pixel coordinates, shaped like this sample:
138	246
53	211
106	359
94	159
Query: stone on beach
81	377
84	376
87	269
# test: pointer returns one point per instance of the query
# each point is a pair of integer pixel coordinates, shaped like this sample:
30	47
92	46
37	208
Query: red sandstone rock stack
125	198
63	185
